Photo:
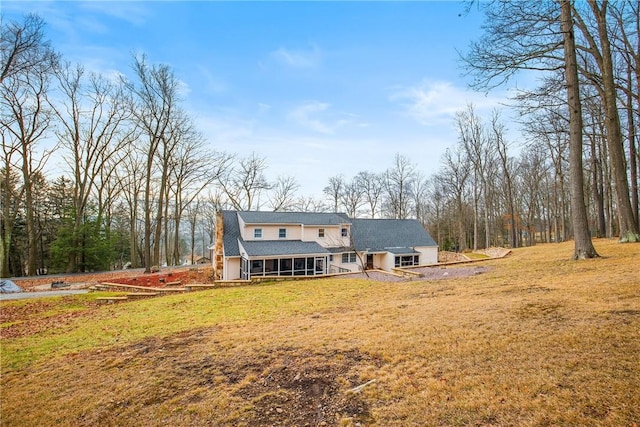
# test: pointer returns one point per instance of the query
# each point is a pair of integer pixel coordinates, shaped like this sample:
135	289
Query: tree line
141	186
587	55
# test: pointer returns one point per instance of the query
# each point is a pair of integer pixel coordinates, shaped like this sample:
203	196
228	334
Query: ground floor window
348	257
300	266
407	260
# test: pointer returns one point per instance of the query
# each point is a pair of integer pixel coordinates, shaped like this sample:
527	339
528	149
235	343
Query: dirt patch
306	388
444	256
31	318
426	273
137	277
435	273
276	386
494	252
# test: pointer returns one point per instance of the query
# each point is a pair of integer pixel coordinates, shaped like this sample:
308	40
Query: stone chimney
218	254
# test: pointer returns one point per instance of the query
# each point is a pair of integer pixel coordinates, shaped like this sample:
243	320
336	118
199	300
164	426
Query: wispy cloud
263	108
135	13
212	83
301	58
318	117
436	102
307	115
224	131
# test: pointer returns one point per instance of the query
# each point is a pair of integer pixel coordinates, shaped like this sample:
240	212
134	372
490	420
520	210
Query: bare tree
352	197
473	136
600	48
532	175
210	205
454	178
26	70
435	205
244	182
595	134
283	191
420	196
11	192
627	21
334	190
192	170
497	140
535	35
583	245
130	178
154	108
398	183
547	130
23	48
372	186
310	204
94	132
193	211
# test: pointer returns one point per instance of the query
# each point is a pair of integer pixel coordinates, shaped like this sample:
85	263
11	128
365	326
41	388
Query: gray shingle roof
306	218
384	234
231	233
401	251
282	247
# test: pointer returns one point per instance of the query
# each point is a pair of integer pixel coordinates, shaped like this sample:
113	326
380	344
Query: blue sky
317	88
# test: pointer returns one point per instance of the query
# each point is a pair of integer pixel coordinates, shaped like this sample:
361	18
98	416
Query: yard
531	339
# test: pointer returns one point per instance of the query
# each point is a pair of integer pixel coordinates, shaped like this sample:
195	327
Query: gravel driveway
25	295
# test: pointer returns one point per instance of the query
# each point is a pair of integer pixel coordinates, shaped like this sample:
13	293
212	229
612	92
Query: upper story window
345	232
257	233
320	232
282	233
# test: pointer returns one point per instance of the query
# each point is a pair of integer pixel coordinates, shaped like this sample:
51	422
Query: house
253	244
197	259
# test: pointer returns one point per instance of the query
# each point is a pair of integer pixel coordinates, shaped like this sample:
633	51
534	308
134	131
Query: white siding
388	261
428	254
351	266
271	232
231	269
332	236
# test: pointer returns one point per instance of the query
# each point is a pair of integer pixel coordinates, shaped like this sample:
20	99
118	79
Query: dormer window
345	232
257	233
282	233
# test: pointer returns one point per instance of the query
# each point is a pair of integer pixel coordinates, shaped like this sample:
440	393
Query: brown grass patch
535	340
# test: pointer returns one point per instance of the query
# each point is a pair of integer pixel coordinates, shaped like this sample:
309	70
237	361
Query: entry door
244	269
319	265
369	261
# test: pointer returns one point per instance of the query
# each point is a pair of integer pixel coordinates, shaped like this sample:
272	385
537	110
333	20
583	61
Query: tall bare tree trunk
583	246
596	176
629	230
633	163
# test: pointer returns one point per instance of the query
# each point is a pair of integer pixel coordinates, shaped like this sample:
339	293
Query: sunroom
282	258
